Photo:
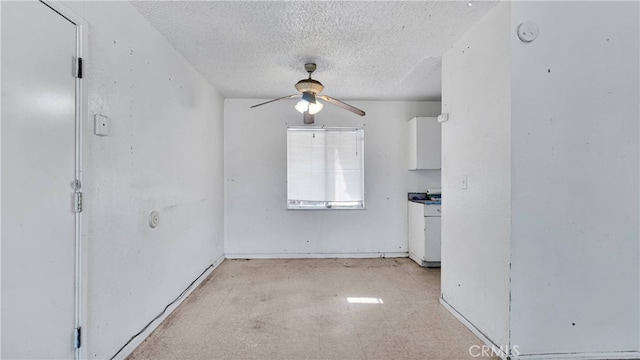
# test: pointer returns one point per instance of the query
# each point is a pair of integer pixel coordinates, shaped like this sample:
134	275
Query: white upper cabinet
425	144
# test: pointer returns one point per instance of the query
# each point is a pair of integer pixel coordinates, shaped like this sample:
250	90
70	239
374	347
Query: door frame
81	101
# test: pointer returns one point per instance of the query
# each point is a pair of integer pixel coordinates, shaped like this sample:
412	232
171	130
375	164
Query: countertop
427	202
425	198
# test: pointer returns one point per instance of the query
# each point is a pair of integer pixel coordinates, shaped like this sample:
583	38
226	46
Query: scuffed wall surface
163	153
575	233
560	265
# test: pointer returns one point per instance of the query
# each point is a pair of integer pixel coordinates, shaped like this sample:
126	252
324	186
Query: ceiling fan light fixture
315	108
302	106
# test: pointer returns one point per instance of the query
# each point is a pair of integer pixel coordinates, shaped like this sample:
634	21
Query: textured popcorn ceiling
381	50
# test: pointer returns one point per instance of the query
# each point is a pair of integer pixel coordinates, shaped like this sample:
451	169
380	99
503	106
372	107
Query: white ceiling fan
309	93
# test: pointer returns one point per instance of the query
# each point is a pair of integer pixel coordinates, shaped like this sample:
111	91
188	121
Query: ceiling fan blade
270	101
308	118
341	104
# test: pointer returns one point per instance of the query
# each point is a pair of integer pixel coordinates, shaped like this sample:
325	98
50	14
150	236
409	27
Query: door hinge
79	68
77	337
77	204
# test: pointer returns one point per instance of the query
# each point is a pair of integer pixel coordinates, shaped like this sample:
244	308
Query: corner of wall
476	144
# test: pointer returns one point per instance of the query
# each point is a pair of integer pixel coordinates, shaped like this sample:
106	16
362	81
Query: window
325	168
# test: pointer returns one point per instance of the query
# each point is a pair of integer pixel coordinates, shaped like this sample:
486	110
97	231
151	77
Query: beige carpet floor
313	309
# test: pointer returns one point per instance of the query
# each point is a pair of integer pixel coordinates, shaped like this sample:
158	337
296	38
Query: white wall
164	153
257	223
554	125
575	236
476	144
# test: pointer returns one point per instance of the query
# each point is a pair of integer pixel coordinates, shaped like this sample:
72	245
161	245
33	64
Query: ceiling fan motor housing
309	85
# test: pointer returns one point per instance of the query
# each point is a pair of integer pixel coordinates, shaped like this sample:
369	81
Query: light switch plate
102	125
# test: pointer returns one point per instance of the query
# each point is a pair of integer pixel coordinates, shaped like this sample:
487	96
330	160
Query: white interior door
38	169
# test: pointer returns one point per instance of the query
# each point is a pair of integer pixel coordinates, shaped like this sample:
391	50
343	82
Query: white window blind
325	168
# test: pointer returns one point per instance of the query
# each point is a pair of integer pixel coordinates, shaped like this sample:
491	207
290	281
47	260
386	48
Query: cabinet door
425	144
432	238
416	232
